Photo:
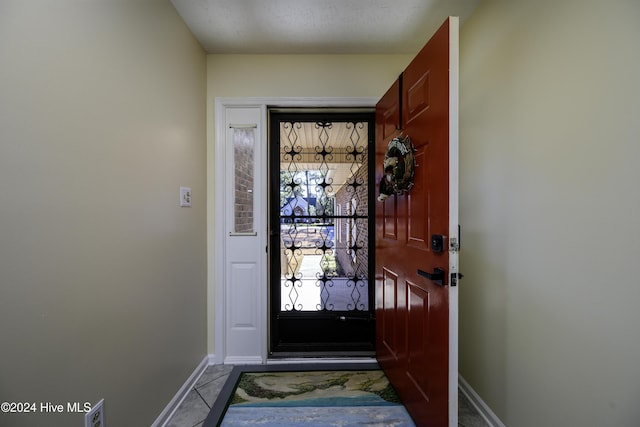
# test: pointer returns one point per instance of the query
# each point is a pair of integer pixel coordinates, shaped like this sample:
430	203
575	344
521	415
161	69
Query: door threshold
317	358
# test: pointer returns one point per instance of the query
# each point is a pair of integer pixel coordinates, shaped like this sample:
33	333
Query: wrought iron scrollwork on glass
323	216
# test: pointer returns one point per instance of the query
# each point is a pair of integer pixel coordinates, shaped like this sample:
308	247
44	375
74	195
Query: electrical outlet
185	197
95	417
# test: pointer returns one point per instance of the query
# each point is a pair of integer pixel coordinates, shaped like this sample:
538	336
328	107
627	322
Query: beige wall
302	75
287	76
102	119
102	275
550	143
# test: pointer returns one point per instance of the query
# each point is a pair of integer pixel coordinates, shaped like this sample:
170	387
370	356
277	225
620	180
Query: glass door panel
322	267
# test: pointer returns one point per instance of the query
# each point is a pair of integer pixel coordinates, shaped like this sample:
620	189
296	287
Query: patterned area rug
323	396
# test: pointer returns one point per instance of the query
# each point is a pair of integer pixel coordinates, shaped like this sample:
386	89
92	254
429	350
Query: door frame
217	295
355	334
454	206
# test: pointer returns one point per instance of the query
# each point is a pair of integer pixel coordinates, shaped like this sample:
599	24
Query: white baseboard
475	399
176	401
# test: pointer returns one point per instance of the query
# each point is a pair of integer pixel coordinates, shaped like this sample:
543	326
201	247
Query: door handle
436	277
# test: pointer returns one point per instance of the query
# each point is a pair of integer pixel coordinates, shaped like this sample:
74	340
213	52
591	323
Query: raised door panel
390	218
388	122
388	112
417	92
389	319
418	224
418	329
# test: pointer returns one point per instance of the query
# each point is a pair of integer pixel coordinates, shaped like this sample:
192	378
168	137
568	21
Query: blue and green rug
277	396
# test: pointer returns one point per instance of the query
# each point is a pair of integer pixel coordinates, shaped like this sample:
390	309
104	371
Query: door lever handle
436	277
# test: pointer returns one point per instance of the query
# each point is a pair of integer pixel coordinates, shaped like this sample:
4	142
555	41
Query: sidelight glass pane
243	154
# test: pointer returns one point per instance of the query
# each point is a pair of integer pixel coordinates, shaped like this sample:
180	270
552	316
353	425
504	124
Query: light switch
185	197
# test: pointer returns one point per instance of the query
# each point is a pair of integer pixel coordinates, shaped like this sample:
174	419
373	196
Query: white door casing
454	64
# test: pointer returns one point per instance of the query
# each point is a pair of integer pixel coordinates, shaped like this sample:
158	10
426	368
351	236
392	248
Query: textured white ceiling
317	26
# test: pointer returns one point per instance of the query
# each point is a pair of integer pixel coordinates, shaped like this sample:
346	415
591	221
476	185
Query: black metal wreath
399	167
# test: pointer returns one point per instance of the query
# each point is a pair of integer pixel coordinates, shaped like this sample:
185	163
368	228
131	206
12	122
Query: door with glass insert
321	233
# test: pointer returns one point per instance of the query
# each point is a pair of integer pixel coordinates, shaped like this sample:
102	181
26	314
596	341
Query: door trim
216	218
454	229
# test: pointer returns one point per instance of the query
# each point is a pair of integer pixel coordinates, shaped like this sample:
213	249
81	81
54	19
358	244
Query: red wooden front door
412	309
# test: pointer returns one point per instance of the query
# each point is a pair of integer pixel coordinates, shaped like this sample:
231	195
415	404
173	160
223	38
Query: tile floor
195	408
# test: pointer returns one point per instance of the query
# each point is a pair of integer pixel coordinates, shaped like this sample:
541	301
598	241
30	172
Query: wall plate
185	197
95	417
